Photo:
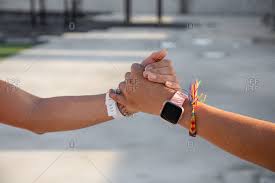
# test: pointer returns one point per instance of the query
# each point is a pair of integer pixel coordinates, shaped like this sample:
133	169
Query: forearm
67	113
245	137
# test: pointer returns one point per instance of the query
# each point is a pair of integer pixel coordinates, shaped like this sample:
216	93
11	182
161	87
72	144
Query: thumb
118	98
155	57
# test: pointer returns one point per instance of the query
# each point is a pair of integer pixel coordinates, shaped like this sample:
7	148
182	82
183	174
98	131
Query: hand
139	94
154	57
162	72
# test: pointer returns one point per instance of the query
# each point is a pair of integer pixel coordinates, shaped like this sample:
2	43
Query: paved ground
237	75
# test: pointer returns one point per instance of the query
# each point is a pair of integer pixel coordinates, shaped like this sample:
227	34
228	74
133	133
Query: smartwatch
172	109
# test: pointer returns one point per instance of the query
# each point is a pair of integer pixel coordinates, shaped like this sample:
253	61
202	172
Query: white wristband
112	107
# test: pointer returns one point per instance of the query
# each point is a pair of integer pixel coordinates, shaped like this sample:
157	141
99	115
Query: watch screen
171	112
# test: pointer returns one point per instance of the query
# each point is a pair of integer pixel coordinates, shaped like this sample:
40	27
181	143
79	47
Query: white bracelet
112	107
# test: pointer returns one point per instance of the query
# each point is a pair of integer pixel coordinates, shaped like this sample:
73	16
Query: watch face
171	112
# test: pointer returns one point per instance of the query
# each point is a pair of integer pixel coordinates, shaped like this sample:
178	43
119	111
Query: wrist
166	95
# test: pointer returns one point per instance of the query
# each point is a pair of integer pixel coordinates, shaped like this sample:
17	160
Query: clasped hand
148	85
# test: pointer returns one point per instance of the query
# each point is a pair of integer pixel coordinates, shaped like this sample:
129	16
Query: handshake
151	87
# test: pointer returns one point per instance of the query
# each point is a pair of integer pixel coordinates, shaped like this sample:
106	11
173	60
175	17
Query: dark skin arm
40	115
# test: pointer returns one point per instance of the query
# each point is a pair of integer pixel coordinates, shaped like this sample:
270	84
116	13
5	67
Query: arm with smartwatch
248	138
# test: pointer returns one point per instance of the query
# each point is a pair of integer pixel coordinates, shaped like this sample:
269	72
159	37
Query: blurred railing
71	11
128	11
273	15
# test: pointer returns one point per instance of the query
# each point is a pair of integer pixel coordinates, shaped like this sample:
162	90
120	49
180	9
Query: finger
127	76
125	111
122	87
163	63
172	85
118	98
157	78
122	108
145	74
137	68
162	71
155	57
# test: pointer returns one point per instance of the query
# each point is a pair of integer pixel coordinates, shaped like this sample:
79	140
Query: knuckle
134	66
129	81
121	85
127	75
115	97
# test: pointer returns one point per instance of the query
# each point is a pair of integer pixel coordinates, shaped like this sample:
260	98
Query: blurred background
79	47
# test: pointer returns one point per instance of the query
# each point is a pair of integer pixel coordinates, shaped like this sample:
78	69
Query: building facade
149	6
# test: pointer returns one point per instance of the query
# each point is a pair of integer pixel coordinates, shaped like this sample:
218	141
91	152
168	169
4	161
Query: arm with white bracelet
112	107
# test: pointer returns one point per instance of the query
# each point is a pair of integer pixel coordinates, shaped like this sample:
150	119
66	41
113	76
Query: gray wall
148	6
230	6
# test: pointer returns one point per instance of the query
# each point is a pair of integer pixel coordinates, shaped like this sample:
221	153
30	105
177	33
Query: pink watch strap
178	98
